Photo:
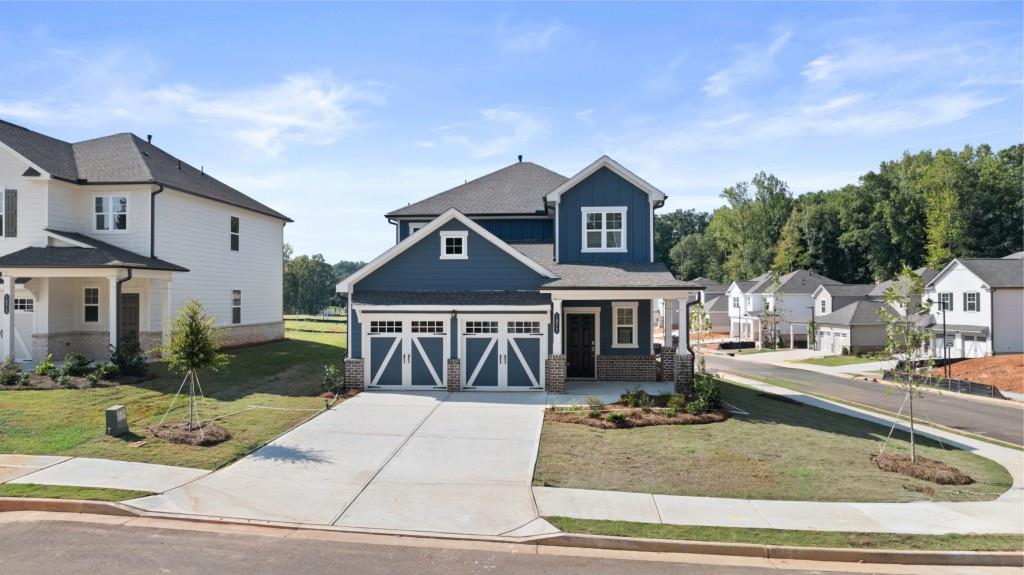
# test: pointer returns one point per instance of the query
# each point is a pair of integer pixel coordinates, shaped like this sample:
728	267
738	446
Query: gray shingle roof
99	255
997	273
850	290
710	286
795	282
861	312
516	189
373	297
626	275
122	158
927	275
717	304
1015	256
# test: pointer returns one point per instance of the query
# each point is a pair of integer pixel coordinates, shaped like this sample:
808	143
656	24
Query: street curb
569	540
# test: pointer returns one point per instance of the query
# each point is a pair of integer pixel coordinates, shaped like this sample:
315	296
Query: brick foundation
233	335
94	345
353	373
454	380
627	367
554	374
684	374
667	364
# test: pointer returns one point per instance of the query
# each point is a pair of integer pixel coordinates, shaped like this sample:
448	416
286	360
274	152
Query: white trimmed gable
655	194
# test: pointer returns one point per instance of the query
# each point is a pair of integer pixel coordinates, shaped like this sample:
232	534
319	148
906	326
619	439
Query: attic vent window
31	173
453	245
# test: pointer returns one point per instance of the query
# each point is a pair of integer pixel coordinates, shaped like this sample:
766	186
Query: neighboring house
786	301
108	238
714	302
516	280
979	306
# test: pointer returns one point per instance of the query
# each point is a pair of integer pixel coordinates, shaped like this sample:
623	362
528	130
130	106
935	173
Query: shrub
697	407
46	368
616	418
10	374
705	388
330	378
632	396
75	365
645	402
676	402
596	406
129	358
63	379
103	371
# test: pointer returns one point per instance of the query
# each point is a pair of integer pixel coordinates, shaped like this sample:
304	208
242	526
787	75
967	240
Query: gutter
152	220
117	312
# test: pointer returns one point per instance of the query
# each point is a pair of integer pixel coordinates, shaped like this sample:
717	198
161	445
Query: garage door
502	352
406	351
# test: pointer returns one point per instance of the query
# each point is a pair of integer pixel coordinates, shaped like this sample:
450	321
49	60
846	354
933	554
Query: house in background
714	304
518	279
108	238
786	300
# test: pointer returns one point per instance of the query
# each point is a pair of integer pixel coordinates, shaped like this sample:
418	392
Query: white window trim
231	320
977	301
99	299
93	213
615	325
951	298
822	307
415	227
464	235
604	211
232	234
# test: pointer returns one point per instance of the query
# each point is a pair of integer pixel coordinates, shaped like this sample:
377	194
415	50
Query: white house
109	237
788	299
979	306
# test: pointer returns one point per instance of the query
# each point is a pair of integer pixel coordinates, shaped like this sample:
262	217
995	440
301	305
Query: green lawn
835	360
779	451
1007	542
284	374
67	492
315	326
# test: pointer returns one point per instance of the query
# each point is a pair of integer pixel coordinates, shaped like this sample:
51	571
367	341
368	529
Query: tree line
309	281
923	209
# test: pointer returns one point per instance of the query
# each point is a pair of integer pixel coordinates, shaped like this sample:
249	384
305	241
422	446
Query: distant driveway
426	461
998	420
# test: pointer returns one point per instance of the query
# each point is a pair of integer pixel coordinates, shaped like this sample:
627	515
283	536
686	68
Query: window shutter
10	213
965	302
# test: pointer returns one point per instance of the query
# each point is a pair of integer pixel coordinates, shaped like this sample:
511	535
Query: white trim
634	306
623	211
556	232
93	213
618	293
606	162
86	304
415	227
449	308
464	253
63	238
594	311
43	173
500	343
436	223
651	235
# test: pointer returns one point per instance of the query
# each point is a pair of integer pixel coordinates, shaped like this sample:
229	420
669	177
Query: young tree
907	341
700	328
772	307
193	347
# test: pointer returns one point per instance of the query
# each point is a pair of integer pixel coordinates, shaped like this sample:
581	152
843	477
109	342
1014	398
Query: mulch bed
635	417
925	469
206	433
41	382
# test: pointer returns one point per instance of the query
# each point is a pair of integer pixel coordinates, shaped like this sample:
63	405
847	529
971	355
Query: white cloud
861	58
519	129
528	39
753	62
586	116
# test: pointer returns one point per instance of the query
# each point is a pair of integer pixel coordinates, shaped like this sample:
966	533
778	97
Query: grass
836	360
780	451
315	326
1000	542
68	492
284	374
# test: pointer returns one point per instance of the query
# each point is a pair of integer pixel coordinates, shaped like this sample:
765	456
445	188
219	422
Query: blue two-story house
520	279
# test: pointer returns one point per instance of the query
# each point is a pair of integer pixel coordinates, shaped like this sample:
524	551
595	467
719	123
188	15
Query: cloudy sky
335	114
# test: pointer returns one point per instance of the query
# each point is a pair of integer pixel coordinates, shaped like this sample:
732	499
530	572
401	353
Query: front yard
268	388
837	360
780	450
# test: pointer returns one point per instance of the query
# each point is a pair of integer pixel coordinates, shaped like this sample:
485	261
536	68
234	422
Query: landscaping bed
766	450
637	408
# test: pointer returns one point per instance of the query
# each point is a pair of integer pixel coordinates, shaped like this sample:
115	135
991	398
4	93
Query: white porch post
556	338
791	344
165	312
7	319
668	319
112	306
684	330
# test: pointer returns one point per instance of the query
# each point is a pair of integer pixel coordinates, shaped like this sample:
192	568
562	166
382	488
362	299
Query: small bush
46	368
706	390
75	365
631	398
63	380
617	419
330	377
676	402
596	406
103	371
129	358
10	374
645	402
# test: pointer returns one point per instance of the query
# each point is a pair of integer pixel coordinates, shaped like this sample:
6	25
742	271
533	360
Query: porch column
668	319
556	337
684	330
7	319
791	344
112	309
165	312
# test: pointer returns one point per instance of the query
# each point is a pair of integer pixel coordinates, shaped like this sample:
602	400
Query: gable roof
122	159
1015	256
995	272
710	286
860	312
795	282
518	189
423	233
927	275
606	162
87	253
846	290
634	275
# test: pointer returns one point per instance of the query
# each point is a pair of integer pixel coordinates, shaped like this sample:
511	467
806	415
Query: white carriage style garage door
408	351
503	352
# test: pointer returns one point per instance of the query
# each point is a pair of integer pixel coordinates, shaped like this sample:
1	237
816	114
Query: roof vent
179	164
149	138
520	158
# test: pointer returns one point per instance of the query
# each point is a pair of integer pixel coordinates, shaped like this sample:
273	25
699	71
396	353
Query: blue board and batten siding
511	230
604	188
643	325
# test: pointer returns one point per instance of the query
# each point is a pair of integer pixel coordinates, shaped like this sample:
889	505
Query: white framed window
736	302
111	213
624	328
531	327
824	306
91	305
235	233
24	304
972	301
604	229
236	306
453	245
415	227
430	326
748	301
946	301
481	327
386	326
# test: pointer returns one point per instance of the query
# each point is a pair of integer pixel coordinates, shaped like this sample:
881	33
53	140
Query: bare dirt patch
635	417
1003	371
924	468
206	433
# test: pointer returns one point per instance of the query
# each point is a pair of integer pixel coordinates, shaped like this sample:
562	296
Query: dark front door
579	348
129	317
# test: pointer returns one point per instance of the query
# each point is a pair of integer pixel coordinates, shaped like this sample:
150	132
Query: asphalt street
999	420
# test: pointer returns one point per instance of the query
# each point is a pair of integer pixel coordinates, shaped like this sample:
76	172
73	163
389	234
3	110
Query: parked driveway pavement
423	461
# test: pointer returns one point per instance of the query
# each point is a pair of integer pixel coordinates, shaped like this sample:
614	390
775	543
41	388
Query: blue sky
337	113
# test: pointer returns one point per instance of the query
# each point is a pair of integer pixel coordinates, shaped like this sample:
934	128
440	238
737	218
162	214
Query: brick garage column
684	374
667	368
354	373
454	379
554	374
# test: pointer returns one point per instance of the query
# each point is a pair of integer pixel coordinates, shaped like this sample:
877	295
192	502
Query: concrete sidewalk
89	472
1004	515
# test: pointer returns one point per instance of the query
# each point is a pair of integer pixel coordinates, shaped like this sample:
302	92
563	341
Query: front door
579	345
129	317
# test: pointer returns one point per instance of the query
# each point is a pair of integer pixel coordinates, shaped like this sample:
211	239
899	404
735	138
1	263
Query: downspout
152	224
689	304
117	311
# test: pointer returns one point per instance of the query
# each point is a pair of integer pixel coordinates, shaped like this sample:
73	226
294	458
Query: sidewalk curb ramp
893	557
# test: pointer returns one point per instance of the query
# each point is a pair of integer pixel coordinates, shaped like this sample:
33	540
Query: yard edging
569	540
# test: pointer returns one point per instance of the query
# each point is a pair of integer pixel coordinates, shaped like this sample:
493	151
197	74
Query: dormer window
111	213
453	245
823	306
604	229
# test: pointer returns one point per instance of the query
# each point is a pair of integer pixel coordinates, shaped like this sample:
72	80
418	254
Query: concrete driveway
424	461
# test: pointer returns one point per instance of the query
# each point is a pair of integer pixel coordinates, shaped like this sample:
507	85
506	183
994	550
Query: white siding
195	233
71	208
1008	321
31	203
